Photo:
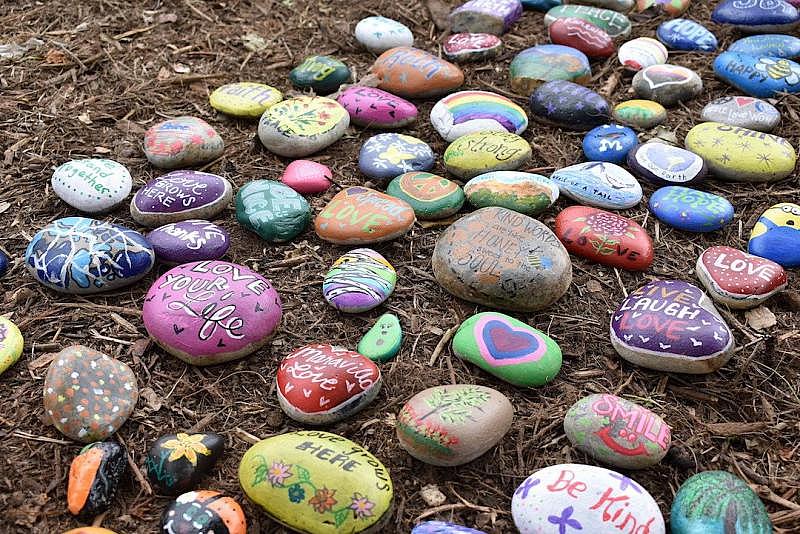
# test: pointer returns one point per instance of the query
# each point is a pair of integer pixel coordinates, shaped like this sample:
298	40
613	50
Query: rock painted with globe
663	164
94	477
414	73
466	47
182	142
468	112
188	241
247	100
568	105
382	342
545	63
743	112
430	196
690	210
374	108
478	153
385	156
737	279
523	192
776	235
360	216
92	185
180	195
301	126
176	463
212	510
485	16
599	184
758	76
359	281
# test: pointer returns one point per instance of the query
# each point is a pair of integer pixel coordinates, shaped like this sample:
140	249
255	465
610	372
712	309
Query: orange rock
90	530
358	215
414	73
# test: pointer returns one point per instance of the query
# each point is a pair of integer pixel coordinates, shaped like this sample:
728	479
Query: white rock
92	185
379	34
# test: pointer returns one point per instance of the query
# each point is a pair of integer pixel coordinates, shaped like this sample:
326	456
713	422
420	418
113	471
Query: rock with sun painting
94	476
204	512
176	462
737	279
431	197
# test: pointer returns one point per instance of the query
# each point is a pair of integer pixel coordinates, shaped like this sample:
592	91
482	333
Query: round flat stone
757	16
248	100
609	142
640	114
187	241
272	209
217	512
690	210
430	196
182	142
641	53
382	342
743	112
359	281
544	63
737	279
581	35
686	35
298	127
379	34
92	185
414	73
465	47
667	84
522	192
474	154
762	77
569	105
385	156
664	164
469	112
359	216
485	16
374	108
322	74
776	235
307	177
613	23
94	477
772	45
11	343
179	196
176	463
599	184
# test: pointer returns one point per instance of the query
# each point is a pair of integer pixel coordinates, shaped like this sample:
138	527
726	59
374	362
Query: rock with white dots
737	279
92	185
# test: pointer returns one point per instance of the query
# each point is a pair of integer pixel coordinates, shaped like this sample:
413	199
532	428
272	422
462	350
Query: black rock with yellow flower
177	462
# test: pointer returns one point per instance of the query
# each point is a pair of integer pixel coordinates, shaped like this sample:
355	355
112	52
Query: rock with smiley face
776	235
382	341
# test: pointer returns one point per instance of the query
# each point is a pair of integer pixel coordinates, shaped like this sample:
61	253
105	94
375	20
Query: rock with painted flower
776	235
322	74
94	476
11	344
181	195
545	63
478	153
466	47
485	16
388	155
375	108
667	84
523	192
413	73
758	76
272	209
182	142
569	105
737	279
204	512
379	34
300	126
187	241
247	100
757	16
360	216
429	195
176	463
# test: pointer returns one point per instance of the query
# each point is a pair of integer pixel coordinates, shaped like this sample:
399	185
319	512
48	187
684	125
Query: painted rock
485	16
664	164
742	155
4	264
373	108
11	343
307	177
575	497
430	196
671	326
468	112
321	74
181	195
247	100
92	185
443	527
757	16
690	210
508	349
609	142
544	63
93	479
712	500
298	127
503	259
272	209
379	34
668	7
474	154
737	279
743	112
359	216
772	45
569	105
667	84
605	237
186	241
176	462
686	35
414	73
523	192
388	155
88	395
453	425
540	5
776	235
581	35
641	53
203	512
182	142
210	312
359	281
465	47
90	530
382	342
640	114
317	482
82	256
623	6
762	77
613	23
599	184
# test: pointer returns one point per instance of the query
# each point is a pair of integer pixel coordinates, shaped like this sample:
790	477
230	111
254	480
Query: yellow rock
477	153
10	344
244	99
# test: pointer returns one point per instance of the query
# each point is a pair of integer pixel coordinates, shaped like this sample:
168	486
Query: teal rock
613	23
323	74
382	341
272	209
430	196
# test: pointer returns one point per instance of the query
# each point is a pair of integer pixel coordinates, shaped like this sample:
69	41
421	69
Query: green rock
382	341
507	348
323	74
273	210
613	23
431	196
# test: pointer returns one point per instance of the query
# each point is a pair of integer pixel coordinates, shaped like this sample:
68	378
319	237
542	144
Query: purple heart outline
487	325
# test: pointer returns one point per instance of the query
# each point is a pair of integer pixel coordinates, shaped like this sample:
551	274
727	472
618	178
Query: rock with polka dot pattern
738	279
204	512
92	185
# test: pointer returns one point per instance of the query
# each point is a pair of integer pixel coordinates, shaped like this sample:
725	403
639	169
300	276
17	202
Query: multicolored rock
609	142
94	476
379	34
321	74
569	105
667	84
742	112
672	8
757	16
690	210
382	342
300	126
623	6
478	153
599	184
272	209
664	164
11	343
776	235
468	112
444	527
581	35
771	45
641	114
737	279
385	156
92	185
176	463
181	195
613	23
414	73
465	47
523	192
485	16
204	512
686	35
247	100
544	63
360	216
4	263
187	241
762	77
359	281
430	196
182	142
307	177
642	52
371	107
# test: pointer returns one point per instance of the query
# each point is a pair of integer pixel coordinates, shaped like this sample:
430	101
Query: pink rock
376	108
307	177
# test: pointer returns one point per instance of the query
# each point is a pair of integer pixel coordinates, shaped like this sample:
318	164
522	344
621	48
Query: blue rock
690	210
762	77
3	264
80	256
776	235
609	142
772	45
757	15
385	156
664	164
599	184
540	5
443	527
685	34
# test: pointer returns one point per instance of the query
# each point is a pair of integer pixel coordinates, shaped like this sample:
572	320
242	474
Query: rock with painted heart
187	241
545	63
569	105
672	8
82	256
210	312
301	126
776	235
466	47
314	481
359	281
371	107
599	184
360	216
414	73
771	45
478	153
94	477
663	164
742	112
757	16
307	177
485	16
605	237
642	52
609	142
182	142
690	210
385	156
671	326
667	84
762	77
569	498
453	425
742	155
379	34
87	395
686	35
468	112
179	196
523	192
247	100
613	23
430	196
443	527
382	342
581	35
176	463
640	114
11	343
204	512
92	185
737	279
321	74
272	209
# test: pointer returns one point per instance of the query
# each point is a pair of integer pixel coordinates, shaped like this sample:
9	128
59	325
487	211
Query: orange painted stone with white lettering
359	216
738	279
413	73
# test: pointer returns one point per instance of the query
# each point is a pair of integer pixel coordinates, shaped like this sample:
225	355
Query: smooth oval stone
11	343
300	126
179	196
468	112
92	185
90	530
757	16
210	312
474	154
81	256
581	35
374	108
385	156
742	111
204	512
771	45
182	142
4	263
88	395
382	342
359	281
379	34
569	105
762	77
500	258
187	241
443	527
669	7
613	23
508	349
414	73
176	463
272	209
664	164
667	84
465	47
641	114
742	155
322	74
430	196
687	35
715	501
360	216
544	63
776	235
485	16
566	498
737	279
623	6
317	482
671	326
540	5
599	184
690	210
94	476
641	53
609	142
605	237
248	100
307	177
523	192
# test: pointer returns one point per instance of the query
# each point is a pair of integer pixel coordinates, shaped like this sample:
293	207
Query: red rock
605	237
414	73
739	279
583	36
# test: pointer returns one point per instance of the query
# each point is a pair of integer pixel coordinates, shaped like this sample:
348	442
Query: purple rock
485	16
187	241
179	196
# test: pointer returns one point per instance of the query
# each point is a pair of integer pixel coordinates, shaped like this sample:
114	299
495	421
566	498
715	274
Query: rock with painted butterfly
776	235
180	195
478	153
757	16
301	126
485	16
467	112
545	63
187	241
359	281
640	114
771	45
609	142
642	52
667	84
466	47
360	216
11	343
307	177
379	34
523	192
321	74
203	512
443	527
599	184
742	112
176	463
663	164
272	209
690	210
758	76
387	155
414	73
613	23
737	279
581	35
246	100
686	35
371	107
182	142
430	196
569	105
94	477
382	342
92	185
